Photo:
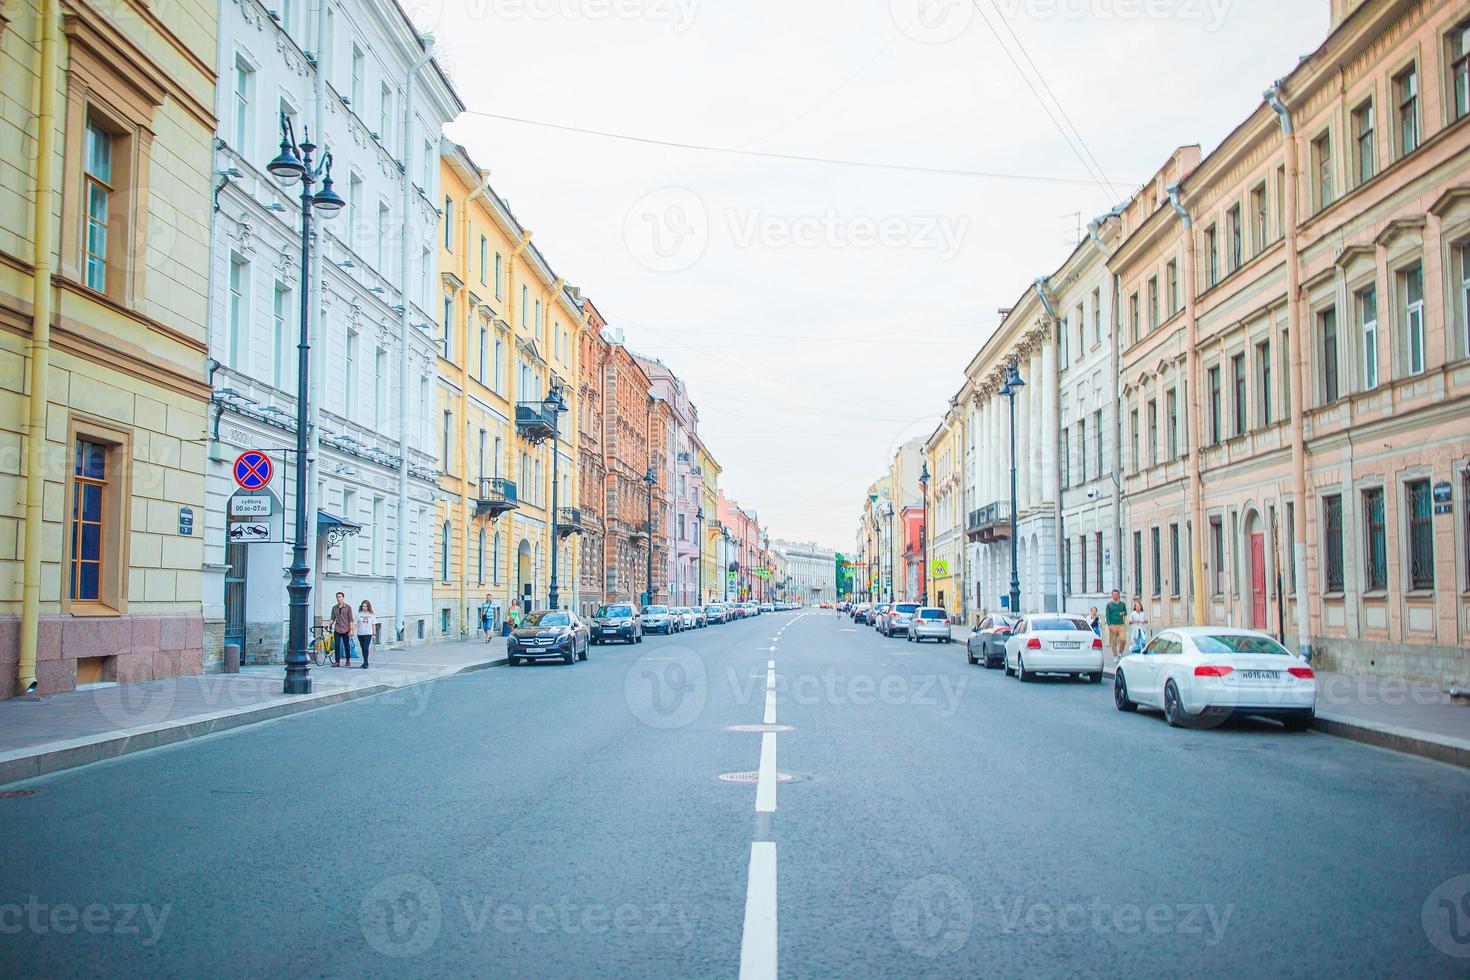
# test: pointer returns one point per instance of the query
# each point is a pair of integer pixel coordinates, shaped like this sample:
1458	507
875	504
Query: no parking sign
253	470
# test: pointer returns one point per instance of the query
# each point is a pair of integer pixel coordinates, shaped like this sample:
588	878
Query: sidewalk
1395	714
61	731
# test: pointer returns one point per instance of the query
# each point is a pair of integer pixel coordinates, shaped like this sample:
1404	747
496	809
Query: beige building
1296	356
104	250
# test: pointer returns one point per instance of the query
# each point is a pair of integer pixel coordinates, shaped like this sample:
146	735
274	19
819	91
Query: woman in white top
1137	625
365	629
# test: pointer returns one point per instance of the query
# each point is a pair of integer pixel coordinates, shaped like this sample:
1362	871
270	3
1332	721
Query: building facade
104	272
592	462
711	584
945	505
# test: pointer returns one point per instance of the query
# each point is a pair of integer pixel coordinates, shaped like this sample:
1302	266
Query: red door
1258	581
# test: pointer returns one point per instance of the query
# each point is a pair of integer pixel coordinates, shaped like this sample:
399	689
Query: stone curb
1453	751
58	756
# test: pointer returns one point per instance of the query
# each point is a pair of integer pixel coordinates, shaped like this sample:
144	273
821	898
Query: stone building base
124	649
1444	665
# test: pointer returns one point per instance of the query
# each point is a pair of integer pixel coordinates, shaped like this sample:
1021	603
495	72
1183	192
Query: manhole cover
11	794
760	728
753	777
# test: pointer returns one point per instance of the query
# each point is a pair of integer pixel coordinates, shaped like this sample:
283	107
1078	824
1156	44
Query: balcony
989	523
568	521
536	421
495	496
637	532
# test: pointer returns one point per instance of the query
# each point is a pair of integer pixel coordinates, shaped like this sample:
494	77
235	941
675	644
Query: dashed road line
758	940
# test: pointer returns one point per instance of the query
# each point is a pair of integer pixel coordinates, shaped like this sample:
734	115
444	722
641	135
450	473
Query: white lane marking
770	716
770	663
765	788
758	941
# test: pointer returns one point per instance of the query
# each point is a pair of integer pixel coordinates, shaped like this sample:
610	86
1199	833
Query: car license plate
1260	675
1065	644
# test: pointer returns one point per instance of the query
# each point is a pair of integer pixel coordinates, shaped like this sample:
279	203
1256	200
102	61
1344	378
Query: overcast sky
821	314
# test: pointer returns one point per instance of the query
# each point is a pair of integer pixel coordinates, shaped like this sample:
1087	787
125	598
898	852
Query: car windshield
547	617
906	607
614	612
931	613
1059	624
1239	643
711	608
656	610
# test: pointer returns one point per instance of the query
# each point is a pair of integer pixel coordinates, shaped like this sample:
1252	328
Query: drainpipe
405	232
40	348
1191	372
1296	381
1115	494
1058	531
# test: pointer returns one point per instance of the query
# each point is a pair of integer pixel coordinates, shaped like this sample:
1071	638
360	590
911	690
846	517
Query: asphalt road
552	820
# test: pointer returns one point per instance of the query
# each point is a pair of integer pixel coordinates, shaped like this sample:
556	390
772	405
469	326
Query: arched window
480	559
444	546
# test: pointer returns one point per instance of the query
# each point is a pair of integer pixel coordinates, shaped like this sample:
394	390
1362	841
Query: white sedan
1200	673
1054	643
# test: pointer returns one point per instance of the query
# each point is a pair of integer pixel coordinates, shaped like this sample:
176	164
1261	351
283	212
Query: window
88	521
1332	543
1171	282
244	123
1375	545
498	273
1464	251
1174	578
1082	554
1363	136
1066	456
283	361
446	341
1062	331
480	559
1459	62
1138	563
1322	169
1214	388
1406	94
380	388
481	444
1263	379
1237	376
238	341
1133	441
1367	300
350	381
499	364
1291	543
1327	330
1258	218
1097	429
1133	315
1281	201
385	236
525	304
347	557
1236	240
445	446
484	260
355	88
536	323
1097	551
385	115
1411	285
1171	410
98	194
448	224
1217	557
1157	554
1212	257
1153	304
1082	446
445	543
1234	553
1066	565
483	352
1097	316
1421	534
1153	432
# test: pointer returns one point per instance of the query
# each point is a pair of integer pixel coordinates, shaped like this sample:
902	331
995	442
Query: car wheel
1006	663
1174	712
512	661
637	639
992	664
1021	674
585	650
1121	700
970	656
1095	677
571	655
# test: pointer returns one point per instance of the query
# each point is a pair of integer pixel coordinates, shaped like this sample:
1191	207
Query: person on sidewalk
1115	613
487	617
1138	626
1093	622
341	618
364	629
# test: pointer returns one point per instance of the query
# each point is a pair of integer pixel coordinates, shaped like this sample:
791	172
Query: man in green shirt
1116	616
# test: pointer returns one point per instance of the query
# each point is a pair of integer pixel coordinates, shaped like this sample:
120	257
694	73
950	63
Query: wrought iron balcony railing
495	496
536	420
989	522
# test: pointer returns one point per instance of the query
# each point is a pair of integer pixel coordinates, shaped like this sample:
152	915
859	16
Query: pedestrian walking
487	617
341	618
364	629
514	617
1116	615
1092	621
1138	626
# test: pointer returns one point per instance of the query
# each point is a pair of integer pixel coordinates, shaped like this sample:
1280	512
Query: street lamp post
924	534
888	513
652	482
1013	384
725	559
699	536
557	404
291	166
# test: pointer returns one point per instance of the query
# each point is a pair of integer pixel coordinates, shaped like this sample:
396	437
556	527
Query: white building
359	77
811	571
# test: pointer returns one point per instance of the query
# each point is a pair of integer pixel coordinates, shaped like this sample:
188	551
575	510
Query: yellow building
104	251
709	500
508	334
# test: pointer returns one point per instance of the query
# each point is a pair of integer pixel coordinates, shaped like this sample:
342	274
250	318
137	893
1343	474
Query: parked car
751	609
616	621
548	634
659	619
987	643
897	620
879	613
862	612
1052	643
714	613
768	607
1204	673
929	623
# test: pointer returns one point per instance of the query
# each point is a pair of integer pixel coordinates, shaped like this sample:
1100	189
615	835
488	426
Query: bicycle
321	646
